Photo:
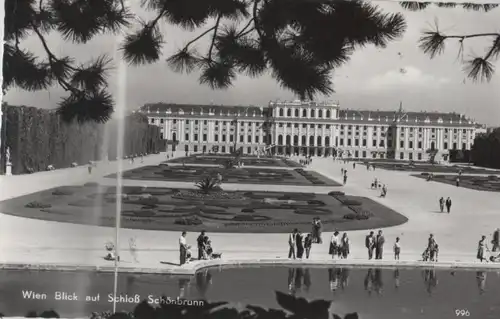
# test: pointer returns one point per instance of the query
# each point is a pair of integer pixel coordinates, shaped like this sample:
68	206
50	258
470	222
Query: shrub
247	210
424	174
350	202
139	213
36	204
89	184
354	216
336	193
248	194
189	221
150	201
311	211
492	177
315	202
60	192
318	182
250	218
74	164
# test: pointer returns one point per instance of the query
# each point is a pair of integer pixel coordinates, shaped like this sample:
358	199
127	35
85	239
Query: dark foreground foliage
291	308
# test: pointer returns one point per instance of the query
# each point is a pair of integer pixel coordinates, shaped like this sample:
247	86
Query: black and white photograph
257	159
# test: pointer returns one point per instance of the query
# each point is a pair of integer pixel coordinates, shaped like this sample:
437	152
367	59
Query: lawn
437	168
243	175
217	160
190	210
481	183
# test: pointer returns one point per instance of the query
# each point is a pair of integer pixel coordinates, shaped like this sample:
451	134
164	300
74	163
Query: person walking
397	249
496	240
183	247
308	244
448	205
299	242
370	244
201	242
481	249
291	243
345	178
353	165
441	204
345	243
379	245
334	245
457	181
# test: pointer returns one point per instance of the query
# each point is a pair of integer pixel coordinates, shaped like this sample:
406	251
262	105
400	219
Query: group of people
204	245
306	161
443	203
298	244
343	172
339	246
376	244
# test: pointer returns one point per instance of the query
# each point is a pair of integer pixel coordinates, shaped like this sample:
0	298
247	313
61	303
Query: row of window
296	113
216	138
411	129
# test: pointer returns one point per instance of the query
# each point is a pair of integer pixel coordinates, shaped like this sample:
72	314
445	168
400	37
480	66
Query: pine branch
256	20
52	60
216	28
198	37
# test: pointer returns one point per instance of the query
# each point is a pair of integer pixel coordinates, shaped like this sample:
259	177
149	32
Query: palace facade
312	128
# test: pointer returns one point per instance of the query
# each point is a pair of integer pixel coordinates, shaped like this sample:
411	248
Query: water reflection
430	280
203	281
299	280
481	281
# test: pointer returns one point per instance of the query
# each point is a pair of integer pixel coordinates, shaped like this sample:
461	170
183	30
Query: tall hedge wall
486	149
38	138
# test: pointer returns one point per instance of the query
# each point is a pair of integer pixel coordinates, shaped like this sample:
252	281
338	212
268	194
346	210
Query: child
426	254
397	249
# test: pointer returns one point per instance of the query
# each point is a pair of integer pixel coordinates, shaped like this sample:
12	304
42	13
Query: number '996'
462	312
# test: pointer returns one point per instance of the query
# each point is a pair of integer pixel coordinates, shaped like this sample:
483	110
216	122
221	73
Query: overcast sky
370	80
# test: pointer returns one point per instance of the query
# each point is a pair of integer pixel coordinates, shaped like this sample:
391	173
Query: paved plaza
474	213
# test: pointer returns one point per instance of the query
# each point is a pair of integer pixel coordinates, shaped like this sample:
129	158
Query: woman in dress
307	244
345	246
481	248
314	231
334	245
299	241
319	226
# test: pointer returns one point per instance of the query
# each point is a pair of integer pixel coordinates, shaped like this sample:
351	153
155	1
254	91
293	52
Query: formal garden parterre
207	208
240	175
432	168
221	159
489	183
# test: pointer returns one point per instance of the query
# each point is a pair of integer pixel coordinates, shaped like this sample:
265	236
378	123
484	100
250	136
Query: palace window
175	121
401	155
356	142
382	143
304	113
205	122
281	112
402	144
223	138
196	122
304	125
204	137
241	138
196	137
445	145
411	144
216	138
349	142
249	138
289	125
419	156
320	113
289	113
312	113
186	137
296	112
374	143
256	139
231	138
364	142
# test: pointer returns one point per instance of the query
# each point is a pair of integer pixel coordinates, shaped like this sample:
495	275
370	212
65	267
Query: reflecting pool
373	293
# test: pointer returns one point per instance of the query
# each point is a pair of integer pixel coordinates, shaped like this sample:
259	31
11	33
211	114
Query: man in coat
370	244
379	245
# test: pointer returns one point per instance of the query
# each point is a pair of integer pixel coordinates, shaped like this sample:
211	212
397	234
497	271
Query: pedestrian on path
353	165
291	244
132	243
334	245
345	244
308	244
457	181
379	245
183	247
448	205
383	194
345	178
397	249
201	243
496	240
441	204
432	249
342	171
481	249
370	244
299	242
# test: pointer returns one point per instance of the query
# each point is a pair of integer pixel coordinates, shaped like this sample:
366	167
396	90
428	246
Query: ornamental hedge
38	138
